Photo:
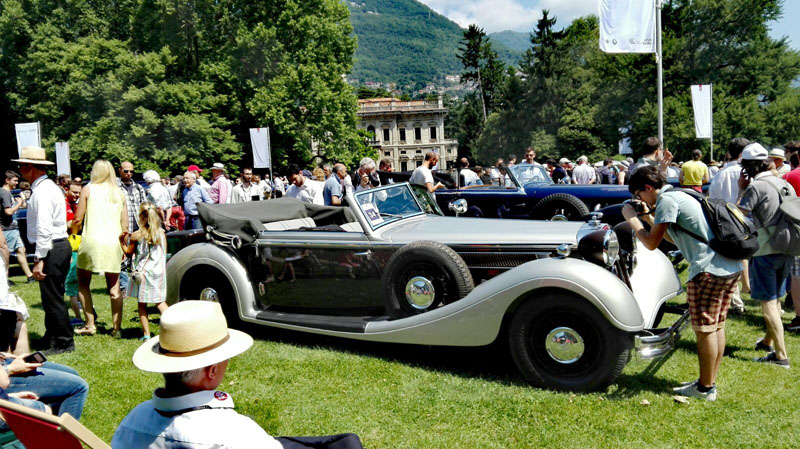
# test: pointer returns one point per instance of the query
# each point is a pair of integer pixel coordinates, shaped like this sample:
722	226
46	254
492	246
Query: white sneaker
692	392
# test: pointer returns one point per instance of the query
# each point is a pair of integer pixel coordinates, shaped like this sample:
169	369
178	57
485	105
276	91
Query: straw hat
777	153
217	166
194	334
32	155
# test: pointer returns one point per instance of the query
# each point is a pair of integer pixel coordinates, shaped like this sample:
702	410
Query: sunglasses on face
127	171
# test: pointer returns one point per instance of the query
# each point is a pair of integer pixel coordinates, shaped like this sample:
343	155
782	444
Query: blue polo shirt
192	196
332	187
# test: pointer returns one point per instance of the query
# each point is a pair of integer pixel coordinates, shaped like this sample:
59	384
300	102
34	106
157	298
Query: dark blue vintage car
527	192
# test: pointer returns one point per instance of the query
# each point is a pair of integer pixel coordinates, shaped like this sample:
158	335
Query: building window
433	132
403	152
404	166
389	153
371	130
419	163
419	151
403	134
417	133
385	135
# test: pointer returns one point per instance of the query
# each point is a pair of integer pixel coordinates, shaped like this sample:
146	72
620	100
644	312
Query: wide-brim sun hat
194	334
32	155
777	153
217	166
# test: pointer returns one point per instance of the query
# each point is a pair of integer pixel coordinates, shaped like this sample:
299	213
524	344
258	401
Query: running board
356	324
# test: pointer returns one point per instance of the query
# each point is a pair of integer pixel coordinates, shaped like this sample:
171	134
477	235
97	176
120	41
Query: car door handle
367	254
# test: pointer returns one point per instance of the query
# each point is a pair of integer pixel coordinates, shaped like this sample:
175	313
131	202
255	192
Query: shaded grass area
423	397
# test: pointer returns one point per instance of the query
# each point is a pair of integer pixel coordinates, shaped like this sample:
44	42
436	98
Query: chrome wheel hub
564	345
559	217
209	294
420	293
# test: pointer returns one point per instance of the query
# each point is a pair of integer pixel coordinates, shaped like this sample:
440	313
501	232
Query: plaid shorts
795	266
709	298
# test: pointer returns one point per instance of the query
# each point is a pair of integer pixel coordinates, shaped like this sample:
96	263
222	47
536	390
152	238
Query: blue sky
521	15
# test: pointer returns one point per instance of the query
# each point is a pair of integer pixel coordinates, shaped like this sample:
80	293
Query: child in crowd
149	278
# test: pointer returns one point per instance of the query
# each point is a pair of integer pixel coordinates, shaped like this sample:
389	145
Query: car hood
465	230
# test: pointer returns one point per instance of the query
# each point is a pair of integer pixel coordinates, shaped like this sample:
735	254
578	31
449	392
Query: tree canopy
567	98
168	83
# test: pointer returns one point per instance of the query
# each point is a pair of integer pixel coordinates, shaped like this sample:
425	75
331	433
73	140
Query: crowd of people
116	227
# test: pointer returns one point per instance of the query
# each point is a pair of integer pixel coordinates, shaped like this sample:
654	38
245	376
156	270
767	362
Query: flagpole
660	75
711	116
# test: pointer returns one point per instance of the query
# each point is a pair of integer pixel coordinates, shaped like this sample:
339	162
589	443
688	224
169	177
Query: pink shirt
219	190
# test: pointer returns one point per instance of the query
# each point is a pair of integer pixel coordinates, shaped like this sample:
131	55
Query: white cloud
518	15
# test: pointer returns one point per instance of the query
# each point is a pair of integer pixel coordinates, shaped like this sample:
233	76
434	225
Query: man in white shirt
304	189
725	186
247	190
778	156
584	173
423	176
47	230
469	176
192	353
158	195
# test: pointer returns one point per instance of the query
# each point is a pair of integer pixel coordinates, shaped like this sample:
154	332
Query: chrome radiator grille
499	260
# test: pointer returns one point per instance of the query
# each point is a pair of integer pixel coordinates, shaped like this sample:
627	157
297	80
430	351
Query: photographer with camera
712	277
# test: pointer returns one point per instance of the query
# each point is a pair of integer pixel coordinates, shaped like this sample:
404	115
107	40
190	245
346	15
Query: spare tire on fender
422	276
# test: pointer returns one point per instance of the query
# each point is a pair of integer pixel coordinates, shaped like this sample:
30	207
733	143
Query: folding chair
37	430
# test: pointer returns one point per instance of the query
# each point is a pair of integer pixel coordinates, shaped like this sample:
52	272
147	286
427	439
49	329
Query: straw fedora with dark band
32	155
194	334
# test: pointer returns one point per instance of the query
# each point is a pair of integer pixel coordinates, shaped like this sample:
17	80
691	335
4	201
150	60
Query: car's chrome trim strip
541	249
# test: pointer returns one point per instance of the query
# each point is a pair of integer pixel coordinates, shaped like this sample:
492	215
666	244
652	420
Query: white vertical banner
703	117
627	26
28	135
625	146
62	158
259	139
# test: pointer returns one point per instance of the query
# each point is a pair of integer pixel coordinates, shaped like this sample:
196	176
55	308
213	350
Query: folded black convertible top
247	219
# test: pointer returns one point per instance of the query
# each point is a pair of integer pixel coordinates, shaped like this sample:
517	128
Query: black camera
637	205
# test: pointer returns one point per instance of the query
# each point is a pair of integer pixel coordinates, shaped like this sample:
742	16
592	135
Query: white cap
564	160
754	152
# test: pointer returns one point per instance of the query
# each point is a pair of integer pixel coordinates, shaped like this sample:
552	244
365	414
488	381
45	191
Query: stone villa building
404	131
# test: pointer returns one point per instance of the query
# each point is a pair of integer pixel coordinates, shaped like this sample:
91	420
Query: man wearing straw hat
47	230
192	353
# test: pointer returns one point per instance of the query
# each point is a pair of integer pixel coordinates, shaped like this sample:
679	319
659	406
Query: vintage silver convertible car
572	299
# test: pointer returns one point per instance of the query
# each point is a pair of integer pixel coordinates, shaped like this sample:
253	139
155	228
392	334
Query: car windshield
525	173
384	205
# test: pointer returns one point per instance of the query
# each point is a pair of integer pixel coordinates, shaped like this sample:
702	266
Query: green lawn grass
396	396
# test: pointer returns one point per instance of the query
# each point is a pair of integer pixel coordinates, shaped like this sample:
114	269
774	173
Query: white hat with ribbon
194	334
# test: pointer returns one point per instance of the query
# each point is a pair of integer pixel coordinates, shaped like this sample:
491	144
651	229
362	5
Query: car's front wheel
561	341
422	276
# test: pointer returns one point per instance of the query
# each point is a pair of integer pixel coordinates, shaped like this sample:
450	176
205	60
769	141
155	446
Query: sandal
86	330
144	338
116	334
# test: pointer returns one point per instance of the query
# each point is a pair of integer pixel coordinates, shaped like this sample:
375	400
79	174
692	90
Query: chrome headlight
600	247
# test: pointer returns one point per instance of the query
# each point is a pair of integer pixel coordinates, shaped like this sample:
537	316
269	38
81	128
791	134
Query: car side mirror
458	206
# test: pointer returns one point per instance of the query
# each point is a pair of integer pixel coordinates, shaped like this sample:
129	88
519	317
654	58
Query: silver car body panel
476	319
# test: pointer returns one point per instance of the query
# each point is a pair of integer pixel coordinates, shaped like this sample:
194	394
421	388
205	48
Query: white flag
62	158
259	139
703	118
627	26
28	135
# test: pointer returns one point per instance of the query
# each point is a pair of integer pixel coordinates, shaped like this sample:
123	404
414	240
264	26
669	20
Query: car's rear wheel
560	207
562	342
422	276
209	284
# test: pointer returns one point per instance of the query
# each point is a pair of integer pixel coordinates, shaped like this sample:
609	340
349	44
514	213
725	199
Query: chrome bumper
653	343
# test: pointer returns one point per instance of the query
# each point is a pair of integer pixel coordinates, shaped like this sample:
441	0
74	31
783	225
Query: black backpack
735	236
